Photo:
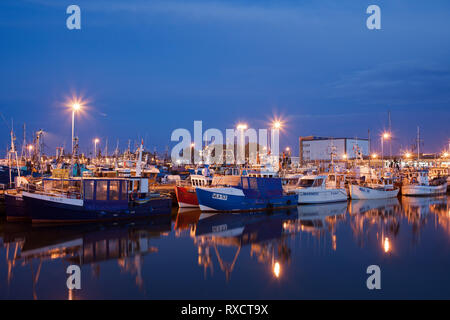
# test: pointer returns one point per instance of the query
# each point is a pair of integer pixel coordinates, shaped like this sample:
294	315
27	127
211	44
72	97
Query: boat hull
41	209
417	190
359	192
186	197
15	208
234	199
321	196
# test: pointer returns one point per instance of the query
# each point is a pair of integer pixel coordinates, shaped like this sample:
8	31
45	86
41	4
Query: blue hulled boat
244	193
93	199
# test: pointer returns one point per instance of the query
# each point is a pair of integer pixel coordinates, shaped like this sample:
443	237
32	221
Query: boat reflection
264	232
379	217
90	244
320	221
418	210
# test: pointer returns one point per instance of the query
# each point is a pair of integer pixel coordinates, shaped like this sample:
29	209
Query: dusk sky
149	67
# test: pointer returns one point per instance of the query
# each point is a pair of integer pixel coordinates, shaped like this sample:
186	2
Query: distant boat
420	185
381	188
244	193
321	189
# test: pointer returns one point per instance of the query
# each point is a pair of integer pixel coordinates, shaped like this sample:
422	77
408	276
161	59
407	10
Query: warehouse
314	148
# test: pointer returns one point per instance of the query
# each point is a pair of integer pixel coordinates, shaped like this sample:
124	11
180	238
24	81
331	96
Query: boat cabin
201	181
96	193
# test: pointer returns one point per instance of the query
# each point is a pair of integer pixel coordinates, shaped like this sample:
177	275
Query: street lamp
241	127
30	148
96	140
75	107
374	156
385	136
276	125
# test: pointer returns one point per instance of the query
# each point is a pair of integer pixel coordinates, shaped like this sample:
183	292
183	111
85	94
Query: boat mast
418	145
390	132
139	162
12	153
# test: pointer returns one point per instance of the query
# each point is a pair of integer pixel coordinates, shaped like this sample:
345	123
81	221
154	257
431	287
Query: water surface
315	251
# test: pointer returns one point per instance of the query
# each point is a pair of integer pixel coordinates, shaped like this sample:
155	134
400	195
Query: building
320	148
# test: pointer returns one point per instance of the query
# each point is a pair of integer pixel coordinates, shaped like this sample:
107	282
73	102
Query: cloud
404	82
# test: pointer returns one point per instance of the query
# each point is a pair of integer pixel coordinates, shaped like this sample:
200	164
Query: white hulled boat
420	185
380	188
321	189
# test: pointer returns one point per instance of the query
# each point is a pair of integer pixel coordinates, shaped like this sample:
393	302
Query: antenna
418	145
390	132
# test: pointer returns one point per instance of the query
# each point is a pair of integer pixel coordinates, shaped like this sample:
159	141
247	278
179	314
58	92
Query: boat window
114	187
102	190
245	183
318	183
123	192
305	183
48	186
253	184
89	190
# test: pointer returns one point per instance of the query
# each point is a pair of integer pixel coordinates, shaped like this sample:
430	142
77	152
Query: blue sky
149	67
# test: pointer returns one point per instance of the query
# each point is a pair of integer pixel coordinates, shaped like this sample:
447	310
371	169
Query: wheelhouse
105	194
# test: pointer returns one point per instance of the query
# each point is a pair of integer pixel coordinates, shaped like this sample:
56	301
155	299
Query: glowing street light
96	140
76	106
344	156
277	124
384	136
30	149
445	154
374	156
407	155
241	126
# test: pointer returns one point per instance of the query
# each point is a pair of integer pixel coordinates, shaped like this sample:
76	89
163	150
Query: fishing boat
244	193
14	204
185	193
321	189
380	188
83	199
419	184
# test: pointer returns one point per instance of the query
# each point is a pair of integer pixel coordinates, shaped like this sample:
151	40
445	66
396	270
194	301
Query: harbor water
308	252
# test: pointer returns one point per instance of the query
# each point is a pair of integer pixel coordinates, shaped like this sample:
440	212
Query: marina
226	156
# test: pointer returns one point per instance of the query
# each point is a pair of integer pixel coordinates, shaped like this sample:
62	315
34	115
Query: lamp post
75	107
96	140
385	136
241	127
275	138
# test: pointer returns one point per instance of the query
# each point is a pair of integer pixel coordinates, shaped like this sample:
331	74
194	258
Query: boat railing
71	194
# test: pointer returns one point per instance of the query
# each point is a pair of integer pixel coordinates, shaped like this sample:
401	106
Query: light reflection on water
314	251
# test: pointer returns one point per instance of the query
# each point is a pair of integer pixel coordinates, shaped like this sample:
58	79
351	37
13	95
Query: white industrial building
320	148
